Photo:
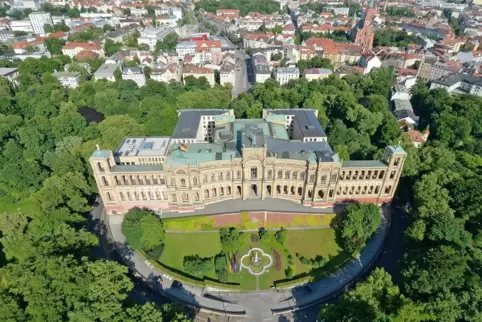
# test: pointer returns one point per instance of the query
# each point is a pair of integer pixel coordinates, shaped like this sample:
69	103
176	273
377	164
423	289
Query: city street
241	76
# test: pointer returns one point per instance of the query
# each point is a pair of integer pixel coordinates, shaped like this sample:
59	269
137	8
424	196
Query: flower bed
277	260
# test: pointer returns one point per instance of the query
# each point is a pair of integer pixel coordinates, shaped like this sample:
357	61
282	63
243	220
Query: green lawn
26	206
178	245
308	243
207	223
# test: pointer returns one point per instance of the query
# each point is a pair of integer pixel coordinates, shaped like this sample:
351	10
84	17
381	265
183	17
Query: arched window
270	174
220	176
310	194
206	193
287	174
278	189
321	194
173	182
151	195
280	174
392	174
121	195
323	179
377	189
104	181
194	181
293	190
174	198
382	174
238	174
213	192
100	167
302	176
294	175
185	197
221	191
369	174
109	196
330	194
205	178
228	175
228	191
213	177
196	197
300	191
388	189
183	182
285	190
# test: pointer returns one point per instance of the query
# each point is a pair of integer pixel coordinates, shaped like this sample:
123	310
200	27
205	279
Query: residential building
151	36
6	35
68	79
369	61
71	49
116	36
459	84
166	74
400	92
227	74
230	13
403	111
342	11
9	74
186	48
21	25
208	51
244	159
198	72
39	20
432	69
106	71
261	68
135	74
284	74
418	138
316	73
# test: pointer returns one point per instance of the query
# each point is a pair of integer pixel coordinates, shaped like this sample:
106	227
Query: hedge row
192	281
293	282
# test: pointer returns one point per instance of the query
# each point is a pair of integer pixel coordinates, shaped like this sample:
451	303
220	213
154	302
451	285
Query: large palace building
212	156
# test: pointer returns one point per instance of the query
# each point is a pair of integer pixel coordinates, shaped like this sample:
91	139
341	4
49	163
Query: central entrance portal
253	192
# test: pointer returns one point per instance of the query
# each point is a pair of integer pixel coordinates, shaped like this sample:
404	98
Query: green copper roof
396	149
364	164
101	154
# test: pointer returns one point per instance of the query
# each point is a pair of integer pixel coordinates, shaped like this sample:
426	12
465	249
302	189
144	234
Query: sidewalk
258	304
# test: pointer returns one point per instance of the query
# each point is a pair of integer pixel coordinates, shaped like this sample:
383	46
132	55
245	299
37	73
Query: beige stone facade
176	181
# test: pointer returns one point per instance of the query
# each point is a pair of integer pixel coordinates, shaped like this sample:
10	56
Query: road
240	74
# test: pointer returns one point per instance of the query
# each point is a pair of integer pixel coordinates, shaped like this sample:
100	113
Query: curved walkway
256	304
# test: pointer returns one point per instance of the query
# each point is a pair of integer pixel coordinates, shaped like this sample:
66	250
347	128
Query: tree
197	266
281	235
69	190
434	270
61	288
142	229
169	42
230	239
357	224
25	237
376	299
111	47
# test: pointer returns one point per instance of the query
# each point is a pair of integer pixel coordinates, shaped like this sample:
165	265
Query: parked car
176	284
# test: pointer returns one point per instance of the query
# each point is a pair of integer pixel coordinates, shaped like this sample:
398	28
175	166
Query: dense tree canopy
261	6
440	270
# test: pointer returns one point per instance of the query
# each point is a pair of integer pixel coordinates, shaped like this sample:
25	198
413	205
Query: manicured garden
215	257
